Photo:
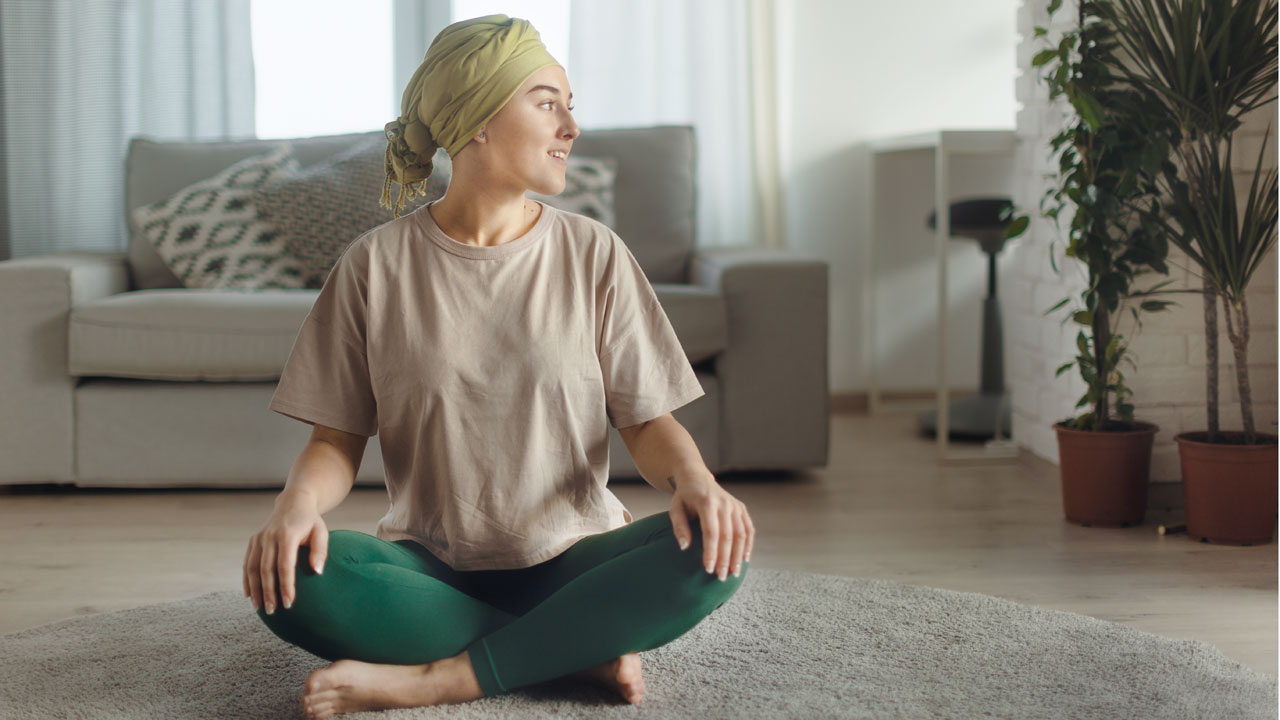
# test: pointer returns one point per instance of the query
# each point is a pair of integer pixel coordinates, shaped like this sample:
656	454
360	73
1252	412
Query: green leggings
626	590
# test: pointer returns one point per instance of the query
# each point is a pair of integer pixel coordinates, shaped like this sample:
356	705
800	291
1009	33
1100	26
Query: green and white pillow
210	233
588	188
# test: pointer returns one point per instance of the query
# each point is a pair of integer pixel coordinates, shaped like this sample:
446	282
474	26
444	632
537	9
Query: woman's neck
473	219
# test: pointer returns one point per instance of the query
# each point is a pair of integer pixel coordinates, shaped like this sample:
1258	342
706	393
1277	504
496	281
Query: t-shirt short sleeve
326	378
646	373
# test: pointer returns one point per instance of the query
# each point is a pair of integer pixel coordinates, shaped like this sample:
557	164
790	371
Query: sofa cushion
210	235
654	188
180	334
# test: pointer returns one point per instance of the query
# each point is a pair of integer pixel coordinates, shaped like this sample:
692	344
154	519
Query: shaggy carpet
787	645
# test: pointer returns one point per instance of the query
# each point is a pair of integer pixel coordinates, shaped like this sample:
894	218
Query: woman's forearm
323	474
665	454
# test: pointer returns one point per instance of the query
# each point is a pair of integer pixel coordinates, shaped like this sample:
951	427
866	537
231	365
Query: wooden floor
882	509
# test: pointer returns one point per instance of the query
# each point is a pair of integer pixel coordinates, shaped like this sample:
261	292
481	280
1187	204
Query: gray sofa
112	374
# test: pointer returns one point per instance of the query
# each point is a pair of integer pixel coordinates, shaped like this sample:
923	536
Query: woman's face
533	123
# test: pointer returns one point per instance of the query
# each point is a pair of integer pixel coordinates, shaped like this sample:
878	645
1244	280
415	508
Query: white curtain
79	78
676	62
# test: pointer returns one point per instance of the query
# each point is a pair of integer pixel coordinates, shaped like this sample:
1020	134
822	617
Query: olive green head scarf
471	70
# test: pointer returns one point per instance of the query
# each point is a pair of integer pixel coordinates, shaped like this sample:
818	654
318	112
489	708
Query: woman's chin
549	189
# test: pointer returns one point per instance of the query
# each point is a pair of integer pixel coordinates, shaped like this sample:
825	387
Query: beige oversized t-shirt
491	376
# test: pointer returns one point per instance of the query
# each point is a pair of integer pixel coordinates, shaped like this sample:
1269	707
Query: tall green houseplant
1207	64
1108	158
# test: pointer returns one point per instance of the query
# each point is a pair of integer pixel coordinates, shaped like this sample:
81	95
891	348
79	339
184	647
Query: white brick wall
1169	384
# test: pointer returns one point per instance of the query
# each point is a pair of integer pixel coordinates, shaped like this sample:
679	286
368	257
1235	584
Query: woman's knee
707	589
311	589
318	601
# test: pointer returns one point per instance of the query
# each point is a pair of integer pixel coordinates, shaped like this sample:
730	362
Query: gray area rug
787	645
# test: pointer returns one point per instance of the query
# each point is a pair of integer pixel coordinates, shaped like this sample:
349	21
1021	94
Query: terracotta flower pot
1229	488
1105	474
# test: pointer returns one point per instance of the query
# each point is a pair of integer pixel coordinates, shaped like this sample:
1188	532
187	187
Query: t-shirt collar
476	252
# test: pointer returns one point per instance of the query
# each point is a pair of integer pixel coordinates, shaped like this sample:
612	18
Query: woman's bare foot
353	686
623	674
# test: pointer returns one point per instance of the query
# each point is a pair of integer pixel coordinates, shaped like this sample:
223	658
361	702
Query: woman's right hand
274	549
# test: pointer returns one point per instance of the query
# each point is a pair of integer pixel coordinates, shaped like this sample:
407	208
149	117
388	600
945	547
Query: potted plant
1107	160
1207	64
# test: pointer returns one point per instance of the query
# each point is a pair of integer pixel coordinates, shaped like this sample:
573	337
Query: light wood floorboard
881	509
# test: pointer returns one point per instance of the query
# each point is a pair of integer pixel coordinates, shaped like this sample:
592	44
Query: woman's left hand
727	531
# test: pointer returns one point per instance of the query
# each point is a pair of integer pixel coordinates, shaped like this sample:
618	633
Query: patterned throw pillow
210	234
324	208
588	188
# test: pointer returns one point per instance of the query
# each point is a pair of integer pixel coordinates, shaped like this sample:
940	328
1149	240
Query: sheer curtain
415	23
675	62
79	78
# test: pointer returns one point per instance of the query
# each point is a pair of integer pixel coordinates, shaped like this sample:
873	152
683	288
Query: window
324	67
321	67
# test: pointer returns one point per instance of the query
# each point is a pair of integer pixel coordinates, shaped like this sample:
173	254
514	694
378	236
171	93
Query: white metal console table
945	144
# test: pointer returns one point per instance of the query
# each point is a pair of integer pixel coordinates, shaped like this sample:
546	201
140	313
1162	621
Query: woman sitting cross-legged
490	341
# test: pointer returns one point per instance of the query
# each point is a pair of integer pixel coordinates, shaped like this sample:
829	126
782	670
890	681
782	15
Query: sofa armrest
773	373
37	429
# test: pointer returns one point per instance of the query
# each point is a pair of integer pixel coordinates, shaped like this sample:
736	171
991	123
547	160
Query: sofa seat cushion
190	334
175	334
